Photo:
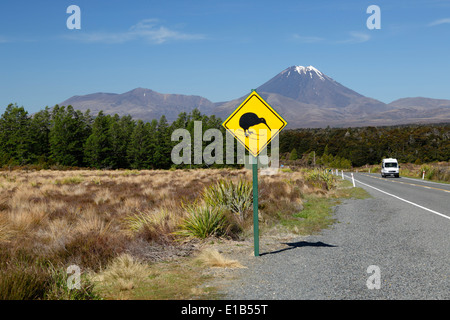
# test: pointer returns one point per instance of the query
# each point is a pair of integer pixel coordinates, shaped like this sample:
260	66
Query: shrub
58	289
69	180
435	172
92	250
153	225
238	198
25	277
122	274
19	281
320	180
203	221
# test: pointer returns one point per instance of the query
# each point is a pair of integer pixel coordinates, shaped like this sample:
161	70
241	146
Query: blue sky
219	49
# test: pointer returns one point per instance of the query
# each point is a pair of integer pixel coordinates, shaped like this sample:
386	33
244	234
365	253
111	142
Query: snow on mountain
310	70
305	96
310	86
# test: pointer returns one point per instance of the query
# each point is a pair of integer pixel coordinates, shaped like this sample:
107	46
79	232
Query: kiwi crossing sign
254	124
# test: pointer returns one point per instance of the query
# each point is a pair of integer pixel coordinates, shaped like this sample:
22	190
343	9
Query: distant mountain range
304	96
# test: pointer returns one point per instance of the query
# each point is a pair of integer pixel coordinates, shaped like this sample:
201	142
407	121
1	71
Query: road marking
407	201
412	184
424	181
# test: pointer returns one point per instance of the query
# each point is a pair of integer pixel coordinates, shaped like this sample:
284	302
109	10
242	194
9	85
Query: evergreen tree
97	150
181	122
68	133
40	130
120	131
293	155
15	139
163	147
139	153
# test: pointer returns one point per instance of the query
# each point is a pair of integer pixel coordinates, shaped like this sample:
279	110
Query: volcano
305	96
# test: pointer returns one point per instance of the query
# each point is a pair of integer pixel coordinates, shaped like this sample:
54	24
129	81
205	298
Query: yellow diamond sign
254	123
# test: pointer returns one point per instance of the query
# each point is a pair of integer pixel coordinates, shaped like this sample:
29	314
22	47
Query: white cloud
356	37
307	39
147	30
438	22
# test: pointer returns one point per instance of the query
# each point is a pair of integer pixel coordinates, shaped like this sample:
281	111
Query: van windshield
390	165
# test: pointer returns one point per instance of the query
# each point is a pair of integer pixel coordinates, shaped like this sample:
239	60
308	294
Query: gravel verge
407	248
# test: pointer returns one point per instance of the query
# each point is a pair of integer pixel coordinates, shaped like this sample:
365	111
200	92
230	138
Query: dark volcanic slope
309	98
141	103
304	96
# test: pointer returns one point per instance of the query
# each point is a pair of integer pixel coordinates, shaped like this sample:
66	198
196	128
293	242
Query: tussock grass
23	282
129	278
25	278
69	180
91	217
124	273
6	233
154	225
436	172
213	258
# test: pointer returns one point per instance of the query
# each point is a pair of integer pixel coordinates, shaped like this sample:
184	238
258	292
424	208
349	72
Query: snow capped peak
309	70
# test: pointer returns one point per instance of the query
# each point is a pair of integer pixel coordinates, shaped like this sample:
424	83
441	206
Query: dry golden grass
52	208
66	203
154	224
91	217
213	258
6	233
123	274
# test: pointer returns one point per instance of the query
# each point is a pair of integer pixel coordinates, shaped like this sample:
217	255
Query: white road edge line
426	181
412	184
407	201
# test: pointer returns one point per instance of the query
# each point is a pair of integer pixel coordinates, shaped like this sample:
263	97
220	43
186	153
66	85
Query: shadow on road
300	244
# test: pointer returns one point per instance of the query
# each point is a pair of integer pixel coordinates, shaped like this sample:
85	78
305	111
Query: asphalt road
395	245
431	195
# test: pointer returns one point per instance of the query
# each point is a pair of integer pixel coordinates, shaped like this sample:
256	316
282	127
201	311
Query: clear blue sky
219	49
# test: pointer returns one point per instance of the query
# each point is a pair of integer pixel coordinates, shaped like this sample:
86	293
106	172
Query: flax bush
236	197
203	221
319	178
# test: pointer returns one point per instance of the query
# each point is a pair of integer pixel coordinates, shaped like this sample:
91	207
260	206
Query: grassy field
140	234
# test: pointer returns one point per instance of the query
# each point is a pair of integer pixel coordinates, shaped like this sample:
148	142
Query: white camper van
390	167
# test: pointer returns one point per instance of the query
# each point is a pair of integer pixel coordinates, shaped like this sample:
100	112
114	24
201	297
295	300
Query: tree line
368	145
62	136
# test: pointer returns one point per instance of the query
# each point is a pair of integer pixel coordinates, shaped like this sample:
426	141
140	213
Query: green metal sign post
255	206
249	118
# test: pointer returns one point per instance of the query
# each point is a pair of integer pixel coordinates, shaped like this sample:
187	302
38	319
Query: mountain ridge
305	96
